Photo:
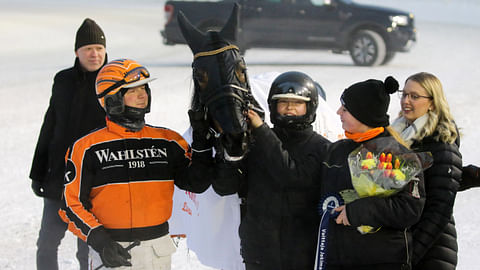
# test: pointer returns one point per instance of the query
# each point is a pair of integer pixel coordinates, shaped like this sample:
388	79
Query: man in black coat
72	113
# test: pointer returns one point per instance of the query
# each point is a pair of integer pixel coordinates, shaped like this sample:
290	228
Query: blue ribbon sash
326	206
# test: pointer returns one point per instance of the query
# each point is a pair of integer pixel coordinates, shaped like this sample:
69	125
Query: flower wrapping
382	167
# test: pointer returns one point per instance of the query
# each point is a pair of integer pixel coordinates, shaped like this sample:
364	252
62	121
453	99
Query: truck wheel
367	48
388	58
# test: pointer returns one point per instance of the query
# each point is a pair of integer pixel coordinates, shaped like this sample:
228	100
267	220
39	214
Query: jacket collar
122	131
293	135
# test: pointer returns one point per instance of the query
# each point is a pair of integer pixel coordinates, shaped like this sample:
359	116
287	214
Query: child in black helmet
279	214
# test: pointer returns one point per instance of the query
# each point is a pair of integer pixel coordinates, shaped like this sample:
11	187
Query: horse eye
200	76
240	70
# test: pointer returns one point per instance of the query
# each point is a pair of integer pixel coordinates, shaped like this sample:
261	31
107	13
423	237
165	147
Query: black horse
221	84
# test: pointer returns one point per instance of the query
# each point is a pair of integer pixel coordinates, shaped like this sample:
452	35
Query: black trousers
51	233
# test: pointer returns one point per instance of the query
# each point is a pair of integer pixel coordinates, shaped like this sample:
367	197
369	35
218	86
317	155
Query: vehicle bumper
402	39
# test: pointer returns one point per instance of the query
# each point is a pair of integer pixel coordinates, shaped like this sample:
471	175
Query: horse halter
231	86
217	51
215	95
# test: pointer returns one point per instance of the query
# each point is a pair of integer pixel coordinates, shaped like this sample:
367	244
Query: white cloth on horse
211	221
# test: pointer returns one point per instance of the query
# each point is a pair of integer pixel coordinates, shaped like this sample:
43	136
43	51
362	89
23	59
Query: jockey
120	179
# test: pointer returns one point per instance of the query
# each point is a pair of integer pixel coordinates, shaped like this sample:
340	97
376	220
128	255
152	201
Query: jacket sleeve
192	171
399	211
78	177
48	160
40	163
40	158
229	177
470	177
282	165
441	182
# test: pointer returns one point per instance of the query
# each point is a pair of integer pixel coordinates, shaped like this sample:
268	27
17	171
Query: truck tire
367	48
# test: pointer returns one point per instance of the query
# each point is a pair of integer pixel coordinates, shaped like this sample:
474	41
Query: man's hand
37	188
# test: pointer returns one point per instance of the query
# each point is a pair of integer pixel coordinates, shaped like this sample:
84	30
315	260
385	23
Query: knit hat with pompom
368	101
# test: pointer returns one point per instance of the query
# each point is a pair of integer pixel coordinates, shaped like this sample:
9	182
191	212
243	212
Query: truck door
267	23
316	22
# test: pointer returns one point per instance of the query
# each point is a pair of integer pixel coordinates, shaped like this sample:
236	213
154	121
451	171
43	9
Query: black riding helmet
293	85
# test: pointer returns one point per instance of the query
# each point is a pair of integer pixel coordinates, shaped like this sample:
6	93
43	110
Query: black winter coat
73	112
435	237
389	247
280	226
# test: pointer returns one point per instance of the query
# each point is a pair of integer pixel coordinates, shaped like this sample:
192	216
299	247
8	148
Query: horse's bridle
217	51
215	95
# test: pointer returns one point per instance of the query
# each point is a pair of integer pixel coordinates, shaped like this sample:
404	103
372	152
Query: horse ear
192	35
229	30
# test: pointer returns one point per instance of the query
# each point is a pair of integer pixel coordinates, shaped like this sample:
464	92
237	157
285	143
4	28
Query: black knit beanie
368	101
89	33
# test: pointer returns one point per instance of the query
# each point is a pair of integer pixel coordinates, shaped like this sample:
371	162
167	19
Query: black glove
470	177
229	177
202	137
111	252
114	255
37	188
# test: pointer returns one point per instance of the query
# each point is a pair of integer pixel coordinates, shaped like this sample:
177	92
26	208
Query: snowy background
37	38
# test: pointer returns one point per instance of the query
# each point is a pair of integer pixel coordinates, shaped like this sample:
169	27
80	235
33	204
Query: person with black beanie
363	113
72	113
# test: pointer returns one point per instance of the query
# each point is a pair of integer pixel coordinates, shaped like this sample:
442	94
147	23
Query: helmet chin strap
132	118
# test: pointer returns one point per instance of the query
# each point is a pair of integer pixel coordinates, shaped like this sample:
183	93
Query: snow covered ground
37	41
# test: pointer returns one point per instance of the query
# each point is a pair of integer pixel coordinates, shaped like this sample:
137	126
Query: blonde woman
426	124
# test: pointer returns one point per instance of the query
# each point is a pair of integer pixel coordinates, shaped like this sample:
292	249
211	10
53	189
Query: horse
221	87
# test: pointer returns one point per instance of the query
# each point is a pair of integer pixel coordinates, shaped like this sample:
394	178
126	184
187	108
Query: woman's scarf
409	131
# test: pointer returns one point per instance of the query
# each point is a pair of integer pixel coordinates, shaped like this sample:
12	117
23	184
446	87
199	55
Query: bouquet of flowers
382	167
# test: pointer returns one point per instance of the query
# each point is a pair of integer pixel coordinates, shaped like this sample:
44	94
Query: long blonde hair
440	119
397	136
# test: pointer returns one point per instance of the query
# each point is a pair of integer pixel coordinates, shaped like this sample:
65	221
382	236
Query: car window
318	2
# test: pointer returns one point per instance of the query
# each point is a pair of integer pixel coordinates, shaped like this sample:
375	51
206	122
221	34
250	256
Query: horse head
221	83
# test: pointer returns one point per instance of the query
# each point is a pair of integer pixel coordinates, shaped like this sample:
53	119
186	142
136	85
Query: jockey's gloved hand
470	177
111	252
202	137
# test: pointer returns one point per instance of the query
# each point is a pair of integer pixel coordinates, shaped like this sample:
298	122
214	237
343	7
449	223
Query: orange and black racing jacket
123	181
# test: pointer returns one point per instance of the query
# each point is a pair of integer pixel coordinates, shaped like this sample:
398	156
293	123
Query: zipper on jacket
406	245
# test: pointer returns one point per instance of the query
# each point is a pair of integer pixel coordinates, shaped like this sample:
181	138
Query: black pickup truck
372	35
